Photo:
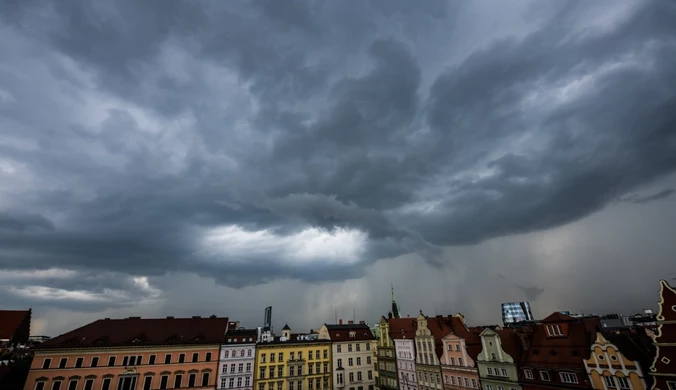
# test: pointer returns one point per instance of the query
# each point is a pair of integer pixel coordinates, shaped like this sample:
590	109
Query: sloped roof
558	317
240	336
10	320
342	332
511	344
147	331
402	328
286	327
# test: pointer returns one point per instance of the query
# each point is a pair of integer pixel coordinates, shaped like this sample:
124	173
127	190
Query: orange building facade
119	355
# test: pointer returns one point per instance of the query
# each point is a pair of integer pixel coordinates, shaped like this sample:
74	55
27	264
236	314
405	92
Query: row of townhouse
202	353
559	352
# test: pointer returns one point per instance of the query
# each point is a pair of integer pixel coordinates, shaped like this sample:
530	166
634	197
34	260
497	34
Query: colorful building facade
352	357
427	367
131	354
402	331
292	362
387	362
237	360
610	367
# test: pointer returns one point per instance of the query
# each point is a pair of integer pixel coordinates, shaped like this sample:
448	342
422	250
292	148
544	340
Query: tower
395	310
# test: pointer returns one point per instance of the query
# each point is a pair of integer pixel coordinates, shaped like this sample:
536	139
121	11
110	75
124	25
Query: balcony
296	360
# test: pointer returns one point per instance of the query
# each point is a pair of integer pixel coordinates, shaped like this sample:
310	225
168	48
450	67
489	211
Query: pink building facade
458	368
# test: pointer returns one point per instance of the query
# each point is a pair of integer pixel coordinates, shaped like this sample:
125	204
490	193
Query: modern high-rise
515	312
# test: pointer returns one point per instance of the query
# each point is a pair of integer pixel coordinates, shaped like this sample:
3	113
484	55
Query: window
248	367
309	385
223	383
544	375
241	353
528	374
78	362
490	371
501	388
240	368
208	358
231	382
460	361
358	360
453	380
232	368
339	348
350	362
247	381
300	355
163	381
290	386
326	367
467	383
262	358
291	355
624	383
349	348
279	385
56	385
610	382
261	386
46	363
248	353
196	356
152	359
181	358
493	357
125	360
368	359
452	361
272	358
457	347
147	382
281	356
224	370
226	354
192	378
567	377
72	385
351	377
672	385
359	376
340	378
292	371
167	359
205	379
178	379
369	374
40	386
489	387
504	372
340	363
272	372
309	369
317	354
280	371
271	386
368	346
261	373
326	354
318	367
62	362
474	383
554	330
89	384
357	347
106	384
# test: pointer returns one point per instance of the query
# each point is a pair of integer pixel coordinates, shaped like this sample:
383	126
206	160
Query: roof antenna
336	315
353	316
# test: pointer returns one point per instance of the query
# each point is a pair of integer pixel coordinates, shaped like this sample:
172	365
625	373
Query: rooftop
135	331
10	320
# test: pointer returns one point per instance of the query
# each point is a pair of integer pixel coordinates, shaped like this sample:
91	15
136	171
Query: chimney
170	317
196	317
340	321
350	322
362	322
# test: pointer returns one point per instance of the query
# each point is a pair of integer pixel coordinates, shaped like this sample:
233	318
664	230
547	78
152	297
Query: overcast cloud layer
214	156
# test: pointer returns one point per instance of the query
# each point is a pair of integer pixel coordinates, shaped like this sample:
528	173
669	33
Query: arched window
241	353
226	353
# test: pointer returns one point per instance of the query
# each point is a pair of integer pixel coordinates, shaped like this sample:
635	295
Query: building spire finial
395	309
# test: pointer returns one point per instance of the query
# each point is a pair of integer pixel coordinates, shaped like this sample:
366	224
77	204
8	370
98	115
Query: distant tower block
267	321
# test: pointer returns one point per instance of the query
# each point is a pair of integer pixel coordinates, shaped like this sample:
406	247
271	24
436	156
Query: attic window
613	357
353	334
554	330
337	335
601	357
665	360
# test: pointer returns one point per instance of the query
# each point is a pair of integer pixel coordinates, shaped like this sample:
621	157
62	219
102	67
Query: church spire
395	310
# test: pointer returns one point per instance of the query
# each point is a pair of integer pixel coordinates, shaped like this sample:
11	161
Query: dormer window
554	330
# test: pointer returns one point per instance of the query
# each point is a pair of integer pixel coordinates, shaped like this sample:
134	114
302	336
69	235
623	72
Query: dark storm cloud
637	199
129	132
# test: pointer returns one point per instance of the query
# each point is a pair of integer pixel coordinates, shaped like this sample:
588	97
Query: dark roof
511	344
10	321
342	332
241	336
558	317
278	341
286	327
402	328
147	331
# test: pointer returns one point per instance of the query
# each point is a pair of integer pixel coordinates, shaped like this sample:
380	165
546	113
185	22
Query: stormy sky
196	158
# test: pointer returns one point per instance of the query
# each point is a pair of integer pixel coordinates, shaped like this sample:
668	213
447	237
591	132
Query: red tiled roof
402	328
559	352
10	320
342	332
147	331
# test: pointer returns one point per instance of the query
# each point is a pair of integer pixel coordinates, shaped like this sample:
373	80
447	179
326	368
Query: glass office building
514	312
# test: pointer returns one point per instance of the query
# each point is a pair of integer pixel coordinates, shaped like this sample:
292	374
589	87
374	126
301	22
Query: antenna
353	316
336	315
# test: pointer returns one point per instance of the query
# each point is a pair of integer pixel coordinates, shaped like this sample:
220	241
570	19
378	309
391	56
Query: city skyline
213	157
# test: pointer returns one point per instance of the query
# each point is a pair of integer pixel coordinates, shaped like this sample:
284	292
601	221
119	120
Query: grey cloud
156	125
637	199
532	293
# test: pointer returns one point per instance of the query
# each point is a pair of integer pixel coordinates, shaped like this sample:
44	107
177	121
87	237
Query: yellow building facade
293	365
609	369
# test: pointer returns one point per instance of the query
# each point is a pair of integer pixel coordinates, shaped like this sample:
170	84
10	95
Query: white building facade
352	355
405	351
237	358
